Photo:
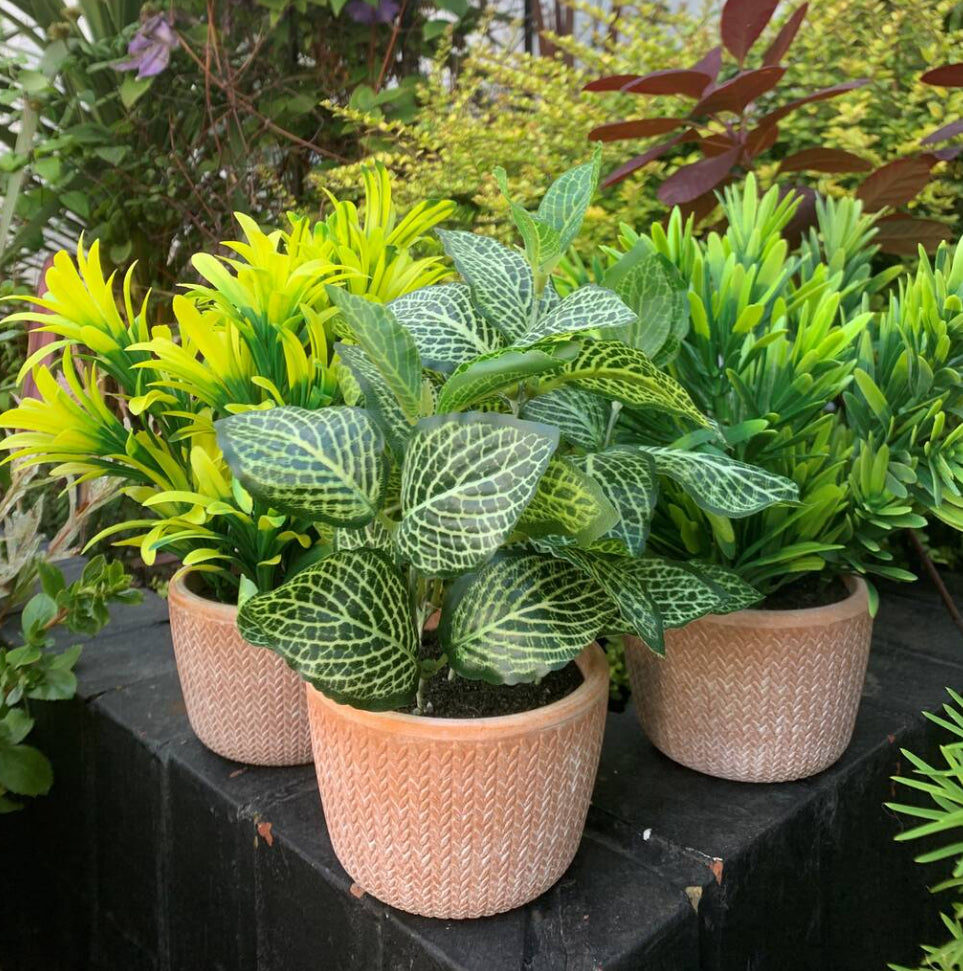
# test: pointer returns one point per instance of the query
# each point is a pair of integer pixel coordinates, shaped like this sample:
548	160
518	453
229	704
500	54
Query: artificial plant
474	472
137	403
942	817
814	368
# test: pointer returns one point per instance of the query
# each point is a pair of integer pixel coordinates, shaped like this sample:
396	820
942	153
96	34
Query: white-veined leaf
721	485
345	625
466	480
501	280
446	327
327	465
520	617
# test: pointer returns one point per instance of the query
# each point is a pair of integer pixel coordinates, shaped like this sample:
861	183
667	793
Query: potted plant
138	403
484	536
858	408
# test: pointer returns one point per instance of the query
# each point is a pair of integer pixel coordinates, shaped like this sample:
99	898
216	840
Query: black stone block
154	853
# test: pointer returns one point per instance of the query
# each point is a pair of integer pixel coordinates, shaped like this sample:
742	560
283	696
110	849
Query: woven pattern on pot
749	703
455	829
243	702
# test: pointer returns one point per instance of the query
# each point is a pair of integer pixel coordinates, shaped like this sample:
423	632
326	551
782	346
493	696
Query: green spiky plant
943	785
474	472
815	369
255	332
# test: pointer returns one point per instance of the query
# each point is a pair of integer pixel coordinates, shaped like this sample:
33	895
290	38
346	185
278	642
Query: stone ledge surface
153	853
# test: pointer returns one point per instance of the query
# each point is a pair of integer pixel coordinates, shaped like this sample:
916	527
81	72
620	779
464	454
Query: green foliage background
529	114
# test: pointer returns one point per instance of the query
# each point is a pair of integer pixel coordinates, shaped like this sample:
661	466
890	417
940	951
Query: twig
936	579
391	46
249	107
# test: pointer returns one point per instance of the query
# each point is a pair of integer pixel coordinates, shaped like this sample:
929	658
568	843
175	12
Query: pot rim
856	604
595	673
180	595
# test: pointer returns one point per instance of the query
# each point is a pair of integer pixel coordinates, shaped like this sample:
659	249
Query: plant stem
934	574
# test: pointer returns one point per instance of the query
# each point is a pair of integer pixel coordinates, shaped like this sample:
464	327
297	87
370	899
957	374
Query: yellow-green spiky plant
138	402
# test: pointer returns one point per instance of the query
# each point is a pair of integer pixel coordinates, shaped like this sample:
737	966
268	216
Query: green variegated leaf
581	417
630	482
739	594
374	536
565	204
655	290
379	399
568	503
722	485
679	593
625	585
500	279
345	625
543	245
588	308
520	617
466	481
327	465
445	325
616	371
388	346
500	371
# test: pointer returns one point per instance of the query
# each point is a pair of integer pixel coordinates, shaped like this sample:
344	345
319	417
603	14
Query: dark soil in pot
461	698
811	590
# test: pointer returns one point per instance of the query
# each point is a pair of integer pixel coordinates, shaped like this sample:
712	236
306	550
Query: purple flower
362	12
150	48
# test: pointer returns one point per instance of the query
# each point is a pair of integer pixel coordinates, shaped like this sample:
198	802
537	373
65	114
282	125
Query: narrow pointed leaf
689	83
824	160
589	308
821	95
327	465
722	485
944	132
711	64
520	617
563	207
692	181
735	94
613	370
466	481
776	51
345	625
896	183
742	23
500	279
581	417
500	371
947	76
446	327
637	128
568	503
630	482
640	161
389	347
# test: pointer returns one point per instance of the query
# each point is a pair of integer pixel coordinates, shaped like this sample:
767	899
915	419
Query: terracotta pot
463	817
758	695
243	702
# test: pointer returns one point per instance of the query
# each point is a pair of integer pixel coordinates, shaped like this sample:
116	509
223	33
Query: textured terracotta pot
243	702
758	695
460	817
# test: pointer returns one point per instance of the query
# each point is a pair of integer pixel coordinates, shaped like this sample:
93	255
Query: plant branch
934	574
